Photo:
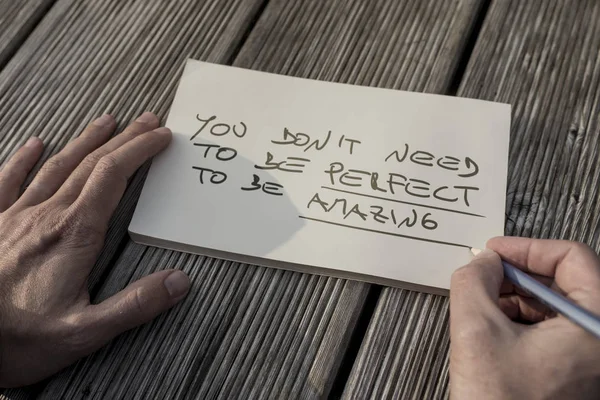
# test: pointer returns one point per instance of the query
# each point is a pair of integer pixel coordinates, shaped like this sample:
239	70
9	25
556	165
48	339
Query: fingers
574	266
475	289
137	304
524	309
108	181
519	305
58	168
14	173
509	288
69	192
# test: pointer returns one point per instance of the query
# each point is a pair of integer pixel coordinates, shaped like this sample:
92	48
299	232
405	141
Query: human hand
547	356
50	238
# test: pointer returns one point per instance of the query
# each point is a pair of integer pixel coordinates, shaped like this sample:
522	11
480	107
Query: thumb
475	289
137	304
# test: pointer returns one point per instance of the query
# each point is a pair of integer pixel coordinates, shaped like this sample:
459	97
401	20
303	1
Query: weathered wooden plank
246	331
17	19
542	57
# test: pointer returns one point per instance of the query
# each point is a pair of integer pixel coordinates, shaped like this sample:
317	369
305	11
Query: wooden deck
254	332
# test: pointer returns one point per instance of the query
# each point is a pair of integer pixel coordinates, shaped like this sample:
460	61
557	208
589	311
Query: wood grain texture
17	19
247	331
541	57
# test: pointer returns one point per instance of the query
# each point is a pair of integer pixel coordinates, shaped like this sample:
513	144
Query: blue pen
552	299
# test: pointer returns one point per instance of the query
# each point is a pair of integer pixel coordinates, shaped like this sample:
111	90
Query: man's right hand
543	356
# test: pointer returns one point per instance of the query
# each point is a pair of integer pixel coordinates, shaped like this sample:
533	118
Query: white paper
311	126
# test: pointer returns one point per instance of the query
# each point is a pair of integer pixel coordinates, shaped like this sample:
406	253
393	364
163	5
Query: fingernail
177	284
147	118
163	131
32	142
104	120
483	254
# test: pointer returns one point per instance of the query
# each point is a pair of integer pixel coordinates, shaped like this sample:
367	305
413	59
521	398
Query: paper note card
364	183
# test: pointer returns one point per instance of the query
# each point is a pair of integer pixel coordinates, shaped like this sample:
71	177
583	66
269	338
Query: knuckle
40	213
583	248
79	334
92	159
134	303
138	301
79	230
37	224
54	163
107	165
35	218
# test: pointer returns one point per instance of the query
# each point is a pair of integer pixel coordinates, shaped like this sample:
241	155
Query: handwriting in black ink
378	213
216	177
221	154
351	141
396	184
220	129
302	140
427	159
267	187
290	164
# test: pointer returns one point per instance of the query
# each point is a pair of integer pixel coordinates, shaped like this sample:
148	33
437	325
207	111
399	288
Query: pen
551	299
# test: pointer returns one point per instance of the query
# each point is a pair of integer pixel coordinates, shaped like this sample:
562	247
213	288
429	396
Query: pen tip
475	251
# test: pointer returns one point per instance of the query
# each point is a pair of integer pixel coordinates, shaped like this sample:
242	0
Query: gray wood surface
17	19
244	331
541	56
